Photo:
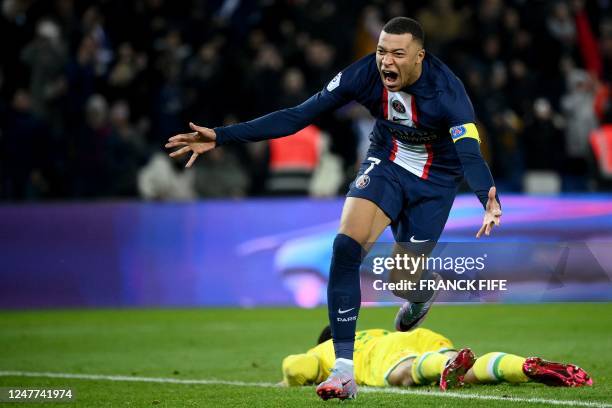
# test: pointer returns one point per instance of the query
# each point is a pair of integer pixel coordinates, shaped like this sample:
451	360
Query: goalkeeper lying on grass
421	356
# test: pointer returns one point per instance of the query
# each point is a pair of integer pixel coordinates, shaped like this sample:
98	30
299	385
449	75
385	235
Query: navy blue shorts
418	209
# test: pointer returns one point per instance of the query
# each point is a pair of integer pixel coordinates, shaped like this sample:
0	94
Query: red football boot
453	373
555	374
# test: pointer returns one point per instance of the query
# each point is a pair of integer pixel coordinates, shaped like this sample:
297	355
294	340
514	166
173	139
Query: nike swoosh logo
345	311
417	241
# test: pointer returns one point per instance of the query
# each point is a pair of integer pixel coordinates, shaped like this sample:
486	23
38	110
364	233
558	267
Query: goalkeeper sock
344	294
428	367
497	367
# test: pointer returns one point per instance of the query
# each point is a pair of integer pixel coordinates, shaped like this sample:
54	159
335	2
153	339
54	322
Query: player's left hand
492	215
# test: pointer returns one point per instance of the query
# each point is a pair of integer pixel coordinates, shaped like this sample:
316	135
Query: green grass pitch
248	346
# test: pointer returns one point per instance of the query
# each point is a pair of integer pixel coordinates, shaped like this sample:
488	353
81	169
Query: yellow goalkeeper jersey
378	352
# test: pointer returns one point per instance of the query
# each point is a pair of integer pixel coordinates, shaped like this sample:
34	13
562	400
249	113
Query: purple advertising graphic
258	252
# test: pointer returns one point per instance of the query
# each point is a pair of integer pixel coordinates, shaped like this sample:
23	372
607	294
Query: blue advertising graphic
251	253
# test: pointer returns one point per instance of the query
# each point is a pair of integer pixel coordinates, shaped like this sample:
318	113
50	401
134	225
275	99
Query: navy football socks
344	294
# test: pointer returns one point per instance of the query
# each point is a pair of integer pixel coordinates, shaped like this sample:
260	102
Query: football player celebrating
424	142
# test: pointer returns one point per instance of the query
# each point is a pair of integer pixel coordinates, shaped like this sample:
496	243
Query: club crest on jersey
398	106
362	181
334	83
457	131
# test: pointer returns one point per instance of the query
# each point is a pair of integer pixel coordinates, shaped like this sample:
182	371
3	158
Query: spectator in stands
544	133
443	24
577	105
81	82
125	152
46	56
23	132
163	179
221	176
293	162
90	173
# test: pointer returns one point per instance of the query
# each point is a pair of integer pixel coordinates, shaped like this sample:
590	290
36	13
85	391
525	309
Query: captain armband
463	131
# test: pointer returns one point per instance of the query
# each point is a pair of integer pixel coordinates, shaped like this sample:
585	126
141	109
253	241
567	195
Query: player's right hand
199	141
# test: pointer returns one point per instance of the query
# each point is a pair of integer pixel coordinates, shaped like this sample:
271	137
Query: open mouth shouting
390	78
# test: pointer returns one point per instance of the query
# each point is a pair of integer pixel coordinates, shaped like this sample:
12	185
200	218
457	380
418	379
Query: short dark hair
325	335
405	25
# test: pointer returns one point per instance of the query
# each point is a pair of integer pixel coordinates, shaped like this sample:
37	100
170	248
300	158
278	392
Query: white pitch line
487	397
272	385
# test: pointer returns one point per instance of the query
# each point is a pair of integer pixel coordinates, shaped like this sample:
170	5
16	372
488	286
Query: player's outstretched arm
463	130
342	89
492	215
276	124
199	141
478	176
281	123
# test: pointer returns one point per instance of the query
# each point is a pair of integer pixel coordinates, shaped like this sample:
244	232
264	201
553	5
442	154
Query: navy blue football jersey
414	125
419	127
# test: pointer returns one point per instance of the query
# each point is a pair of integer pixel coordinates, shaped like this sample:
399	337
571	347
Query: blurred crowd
90	91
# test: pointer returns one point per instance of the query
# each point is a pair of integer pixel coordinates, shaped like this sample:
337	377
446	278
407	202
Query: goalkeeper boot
555	374
411	314
454	372
340	383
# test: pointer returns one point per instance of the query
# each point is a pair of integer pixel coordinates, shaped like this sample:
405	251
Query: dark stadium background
90	90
